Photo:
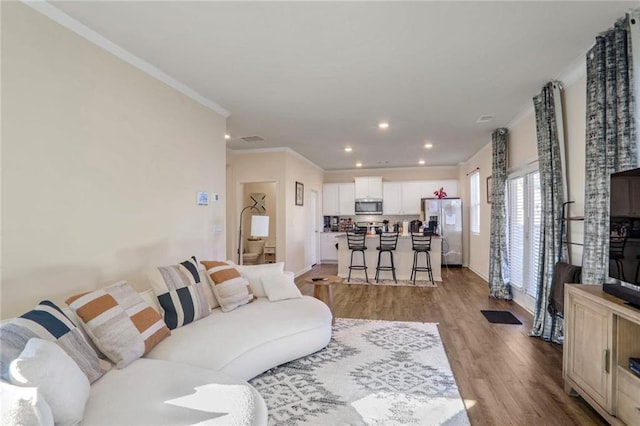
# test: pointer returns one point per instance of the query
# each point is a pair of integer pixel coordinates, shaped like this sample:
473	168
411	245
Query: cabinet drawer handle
637	409
605	359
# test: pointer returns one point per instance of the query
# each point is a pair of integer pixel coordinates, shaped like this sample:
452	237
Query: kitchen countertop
344	234
403	256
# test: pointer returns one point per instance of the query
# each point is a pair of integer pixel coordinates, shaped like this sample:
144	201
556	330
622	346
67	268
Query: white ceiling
317	76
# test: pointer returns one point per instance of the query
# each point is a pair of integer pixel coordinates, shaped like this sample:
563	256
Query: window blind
535	223
515	218
474	208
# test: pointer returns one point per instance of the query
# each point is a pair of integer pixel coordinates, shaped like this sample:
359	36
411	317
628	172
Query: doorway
262	196
312	238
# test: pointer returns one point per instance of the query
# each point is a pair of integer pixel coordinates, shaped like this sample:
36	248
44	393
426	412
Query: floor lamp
259	228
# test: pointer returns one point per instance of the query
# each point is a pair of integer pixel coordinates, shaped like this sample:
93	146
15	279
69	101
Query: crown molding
82	30
277	149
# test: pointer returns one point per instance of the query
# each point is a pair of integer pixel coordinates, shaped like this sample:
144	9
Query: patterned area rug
371	373
400	283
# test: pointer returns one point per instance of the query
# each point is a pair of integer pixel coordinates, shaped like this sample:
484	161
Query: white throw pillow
45	365
254	274
280	287
23	406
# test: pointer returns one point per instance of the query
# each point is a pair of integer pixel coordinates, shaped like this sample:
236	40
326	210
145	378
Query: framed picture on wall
299	194
489	190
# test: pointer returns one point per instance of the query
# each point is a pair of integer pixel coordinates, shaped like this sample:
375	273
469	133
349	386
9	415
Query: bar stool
421	244
356	243
388	242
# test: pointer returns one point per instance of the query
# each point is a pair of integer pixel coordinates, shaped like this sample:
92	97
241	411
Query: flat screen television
623	280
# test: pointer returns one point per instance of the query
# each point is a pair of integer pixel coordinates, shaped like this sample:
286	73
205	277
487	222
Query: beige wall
394	175
100	167
248	167
300	225
269	189
294	223
575	127
523	150
476	246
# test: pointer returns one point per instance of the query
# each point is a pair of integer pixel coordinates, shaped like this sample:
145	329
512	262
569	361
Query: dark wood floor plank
504	376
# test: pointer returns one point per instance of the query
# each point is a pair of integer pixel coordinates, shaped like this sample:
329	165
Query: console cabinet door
588	343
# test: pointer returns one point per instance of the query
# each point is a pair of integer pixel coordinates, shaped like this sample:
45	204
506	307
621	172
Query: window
524	219
474	208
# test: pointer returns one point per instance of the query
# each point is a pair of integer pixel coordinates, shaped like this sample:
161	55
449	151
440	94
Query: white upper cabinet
347	199
392	198
411	195
331	199
403	198
338	199
368	188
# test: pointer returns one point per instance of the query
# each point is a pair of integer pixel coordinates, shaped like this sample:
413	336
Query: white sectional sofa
198	374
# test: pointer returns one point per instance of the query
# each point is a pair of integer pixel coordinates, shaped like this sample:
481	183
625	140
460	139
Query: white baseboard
479	274
518	297
304	271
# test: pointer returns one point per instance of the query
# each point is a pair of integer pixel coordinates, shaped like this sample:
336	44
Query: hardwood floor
504	376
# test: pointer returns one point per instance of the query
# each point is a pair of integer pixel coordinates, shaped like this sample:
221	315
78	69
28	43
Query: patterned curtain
610	140
552	187
499	287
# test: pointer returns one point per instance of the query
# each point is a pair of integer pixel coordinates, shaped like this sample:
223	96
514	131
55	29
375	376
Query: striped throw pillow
180	293
46	321
231	288
121	324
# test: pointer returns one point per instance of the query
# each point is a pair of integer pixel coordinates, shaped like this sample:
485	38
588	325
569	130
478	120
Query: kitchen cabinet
411	196
368	188
601	333
328	250
392	198
403	198
338	199
347	199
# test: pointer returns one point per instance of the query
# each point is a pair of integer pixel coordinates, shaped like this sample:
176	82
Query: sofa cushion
121	324
46	321
250	339
154	392
231	289
254	273
180	292
45	365
23	406
280	287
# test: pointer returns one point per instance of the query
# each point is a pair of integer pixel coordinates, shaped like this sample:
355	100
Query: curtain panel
499	287
552	188
611	144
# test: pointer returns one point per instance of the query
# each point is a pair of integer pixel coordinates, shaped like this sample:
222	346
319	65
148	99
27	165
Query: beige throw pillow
230	288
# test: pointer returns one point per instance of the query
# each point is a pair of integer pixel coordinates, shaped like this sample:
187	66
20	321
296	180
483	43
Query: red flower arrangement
440	193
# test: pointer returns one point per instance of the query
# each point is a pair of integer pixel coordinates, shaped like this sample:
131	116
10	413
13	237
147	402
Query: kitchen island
403	259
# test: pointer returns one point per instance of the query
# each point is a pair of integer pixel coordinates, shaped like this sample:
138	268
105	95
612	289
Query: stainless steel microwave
368	206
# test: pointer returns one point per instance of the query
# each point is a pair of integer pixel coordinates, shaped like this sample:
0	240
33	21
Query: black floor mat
500	317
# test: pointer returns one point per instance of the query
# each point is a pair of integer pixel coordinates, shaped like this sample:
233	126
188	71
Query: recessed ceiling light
383	125
421	162
358	164
348	149
227	136
428	145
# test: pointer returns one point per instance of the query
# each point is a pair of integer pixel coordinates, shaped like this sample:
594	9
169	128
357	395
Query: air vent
484	118
252	139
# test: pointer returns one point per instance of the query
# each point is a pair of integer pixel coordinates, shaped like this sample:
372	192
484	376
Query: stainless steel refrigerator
444	217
